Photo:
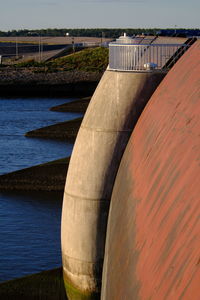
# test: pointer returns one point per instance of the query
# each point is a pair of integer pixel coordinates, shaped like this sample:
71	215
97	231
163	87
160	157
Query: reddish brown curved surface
153	238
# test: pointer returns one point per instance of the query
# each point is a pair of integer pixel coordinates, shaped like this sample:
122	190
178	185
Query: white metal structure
143	57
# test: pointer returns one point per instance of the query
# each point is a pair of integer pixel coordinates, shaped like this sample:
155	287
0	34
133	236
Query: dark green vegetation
49	176
89	60
64	130
74	106
89	32
95	59
47	285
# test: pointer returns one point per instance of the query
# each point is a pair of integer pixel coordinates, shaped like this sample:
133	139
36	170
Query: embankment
36	82
74	106
46	285
50	176
64	130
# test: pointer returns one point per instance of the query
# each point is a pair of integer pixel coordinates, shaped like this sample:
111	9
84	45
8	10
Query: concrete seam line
85	198
104	130
77	259
70	275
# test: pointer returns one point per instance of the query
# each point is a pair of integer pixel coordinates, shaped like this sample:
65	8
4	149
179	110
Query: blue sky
36	14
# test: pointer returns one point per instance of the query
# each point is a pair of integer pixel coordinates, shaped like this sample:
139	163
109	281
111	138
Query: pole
73	46
16	45
39	48
175	29
41	45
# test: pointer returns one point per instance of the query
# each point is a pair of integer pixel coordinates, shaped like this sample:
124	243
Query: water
30	233
17	116
29	221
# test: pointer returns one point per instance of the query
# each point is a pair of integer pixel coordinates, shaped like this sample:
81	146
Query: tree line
89	32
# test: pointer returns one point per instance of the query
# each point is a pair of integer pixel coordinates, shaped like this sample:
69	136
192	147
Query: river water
29	221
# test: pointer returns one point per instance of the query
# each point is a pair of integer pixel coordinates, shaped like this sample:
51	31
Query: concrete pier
110	118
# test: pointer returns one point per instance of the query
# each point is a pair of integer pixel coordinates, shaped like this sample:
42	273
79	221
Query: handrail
139	45
142	57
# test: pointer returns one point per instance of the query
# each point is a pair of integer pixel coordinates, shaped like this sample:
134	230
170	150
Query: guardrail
144	57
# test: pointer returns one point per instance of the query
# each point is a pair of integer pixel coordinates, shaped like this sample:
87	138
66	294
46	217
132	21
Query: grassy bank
88	60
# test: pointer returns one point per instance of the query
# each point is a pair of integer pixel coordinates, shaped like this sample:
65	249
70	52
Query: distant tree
100	32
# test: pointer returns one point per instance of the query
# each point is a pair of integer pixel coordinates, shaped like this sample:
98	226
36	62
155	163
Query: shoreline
66	130
34	82
50	176
79	105
47	285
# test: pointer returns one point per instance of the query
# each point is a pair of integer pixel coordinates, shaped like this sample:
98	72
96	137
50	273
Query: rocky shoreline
37	82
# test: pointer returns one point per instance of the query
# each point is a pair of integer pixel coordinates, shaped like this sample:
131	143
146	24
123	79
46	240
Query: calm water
29	222
30	233
17	116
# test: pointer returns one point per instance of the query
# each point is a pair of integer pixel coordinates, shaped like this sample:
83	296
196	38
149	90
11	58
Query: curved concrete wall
153	241
102	138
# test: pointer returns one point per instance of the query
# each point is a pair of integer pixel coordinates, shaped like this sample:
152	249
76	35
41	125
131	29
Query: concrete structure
114	109
153	242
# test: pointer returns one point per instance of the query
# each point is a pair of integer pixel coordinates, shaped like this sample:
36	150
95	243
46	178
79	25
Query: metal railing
144	57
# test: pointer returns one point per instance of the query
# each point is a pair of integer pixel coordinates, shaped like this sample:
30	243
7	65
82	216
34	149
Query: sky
37	14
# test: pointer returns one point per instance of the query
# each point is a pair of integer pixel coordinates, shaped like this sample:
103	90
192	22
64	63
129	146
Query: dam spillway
152	242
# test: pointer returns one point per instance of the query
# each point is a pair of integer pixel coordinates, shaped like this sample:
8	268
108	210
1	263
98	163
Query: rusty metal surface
153	237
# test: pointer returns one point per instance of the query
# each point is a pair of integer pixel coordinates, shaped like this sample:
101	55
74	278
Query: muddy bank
64	130
30	82
50	176
74	106
46	285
